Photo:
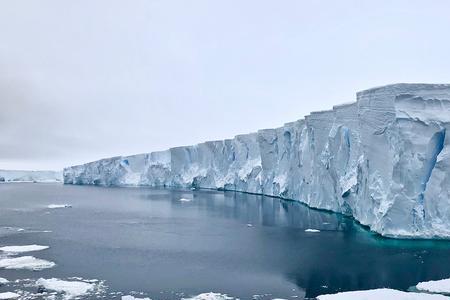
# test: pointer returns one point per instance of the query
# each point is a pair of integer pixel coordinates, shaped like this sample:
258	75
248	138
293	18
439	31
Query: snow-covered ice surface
30	176
69	289
381	294
9	295
312	230
25	262
3	280
210	296
22	249
53	206
384	159
435	286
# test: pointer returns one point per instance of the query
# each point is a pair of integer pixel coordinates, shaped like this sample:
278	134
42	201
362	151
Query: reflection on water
239	244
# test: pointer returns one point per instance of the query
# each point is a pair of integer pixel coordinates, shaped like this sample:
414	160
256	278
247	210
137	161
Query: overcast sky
83	80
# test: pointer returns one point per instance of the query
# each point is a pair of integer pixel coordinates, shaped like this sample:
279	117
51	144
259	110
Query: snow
3	280
53	206
71	289
384	160
435	286
9	295
128	297
25	262
21	249
185	200
377	294
312	230
210	296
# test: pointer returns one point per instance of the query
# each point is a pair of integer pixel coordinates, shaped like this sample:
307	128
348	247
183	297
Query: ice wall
384	160
30	176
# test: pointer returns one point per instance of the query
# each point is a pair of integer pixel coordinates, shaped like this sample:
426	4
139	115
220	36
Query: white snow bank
185	200
378	294
53	206
21	249
210	296
9	295
3	280
25	262
435	286
312	230
128	297
71	289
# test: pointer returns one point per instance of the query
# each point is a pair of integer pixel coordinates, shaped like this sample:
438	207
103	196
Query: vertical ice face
403	138
384	160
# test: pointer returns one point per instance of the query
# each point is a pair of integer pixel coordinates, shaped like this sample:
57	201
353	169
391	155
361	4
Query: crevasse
383	159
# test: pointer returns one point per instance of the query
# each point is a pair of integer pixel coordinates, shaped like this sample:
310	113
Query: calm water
147	240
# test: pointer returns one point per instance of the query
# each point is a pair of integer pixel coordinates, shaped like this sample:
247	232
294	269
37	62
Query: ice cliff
30	176
384	160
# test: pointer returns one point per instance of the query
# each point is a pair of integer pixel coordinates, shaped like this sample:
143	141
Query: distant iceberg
384	160
55	206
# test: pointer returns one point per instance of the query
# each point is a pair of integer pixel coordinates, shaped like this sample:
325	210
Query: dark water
147	240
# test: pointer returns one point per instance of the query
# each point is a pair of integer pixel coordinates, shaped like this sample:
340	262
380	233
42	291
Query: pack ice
384	160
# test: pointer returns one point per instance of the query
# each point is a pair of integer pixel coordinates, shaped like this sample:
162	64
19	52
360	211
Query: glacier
30	176
383	160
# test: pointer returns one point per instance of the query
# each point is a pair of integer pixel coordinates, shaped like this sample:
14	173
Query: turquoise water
246	246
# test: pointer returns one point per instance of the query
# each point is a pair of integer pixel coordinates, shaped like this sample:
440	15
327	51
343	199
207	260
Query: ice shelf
384	160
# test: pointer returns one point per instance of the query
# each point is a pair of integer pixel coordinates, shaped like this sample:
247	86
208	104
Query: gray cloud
81	80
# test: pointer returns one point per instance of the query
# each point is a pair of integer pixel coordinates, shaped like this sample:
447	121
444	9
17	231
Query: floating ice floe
378	294
210	296
3	281
128	297
435	286
312	230
21	249
53	206
25	262
70	289
185	200
9	295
